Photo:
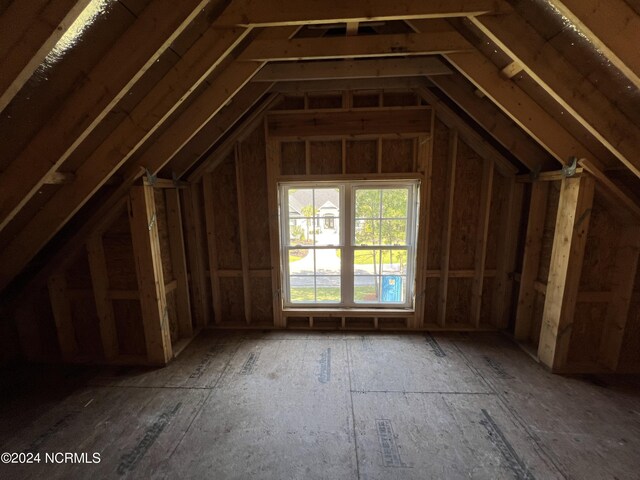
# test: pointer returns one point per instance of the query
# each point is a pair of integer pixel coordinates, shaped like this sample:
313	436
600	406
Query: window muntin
374	268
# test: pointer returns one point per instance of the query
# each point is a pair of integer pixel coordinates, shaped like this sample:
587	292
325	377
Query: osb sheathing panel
232	300
437	193
549	231
129	328
586	332
397	155
362	156
172	316
536	319
254	172
459	301
330	100
325	157
290	102
292	158
163	234
497	210
225	205
485	304
399	99
630	352
365	99
118	250
78	274
261	301
432	286
86	325
600	251
35	325
466	202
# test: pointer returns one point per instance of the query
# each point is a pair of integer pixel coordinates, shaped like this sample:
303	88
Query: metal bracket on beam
570	170
151	178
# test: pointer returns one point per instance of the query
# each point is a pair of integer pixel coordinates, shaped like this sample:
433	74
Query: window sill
348	312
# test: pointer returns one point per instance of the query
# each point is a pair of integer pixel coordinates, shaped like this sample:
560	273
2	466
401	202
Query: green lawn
330	294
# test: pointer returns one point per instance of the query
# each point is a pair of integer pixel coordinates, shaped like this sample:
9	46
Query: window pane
394	262
300	232
366	289
367	203
328	261
366	262
395	202
367	232
301	261
393	288
328	289
302	289
394	232
327	230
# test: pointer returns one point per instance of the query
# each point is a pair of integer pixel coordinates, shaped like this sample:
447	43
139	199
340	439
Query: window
349	244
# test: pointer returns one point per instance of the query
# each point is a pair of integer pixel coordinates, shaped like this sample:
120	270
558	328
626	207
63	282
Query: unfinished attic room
313	239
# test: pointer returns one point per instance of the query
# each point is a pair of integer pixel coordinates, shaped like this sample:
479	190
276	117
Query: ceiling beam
468	134
129	136
566	85
431	43
613	28
520	107
496	123
89	103
340	69
391	83
30	30
269	13
217	127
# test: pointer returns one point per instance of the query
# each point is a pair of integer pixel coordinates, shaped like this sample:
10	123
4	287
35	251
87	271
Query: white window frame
346	221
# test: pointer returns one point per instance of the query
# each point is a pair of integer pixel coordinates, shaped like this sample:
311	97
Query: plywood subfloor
287	405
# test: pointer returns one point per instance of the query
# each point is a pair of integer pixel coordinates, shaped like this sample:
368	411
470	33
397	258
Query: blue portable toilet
392	288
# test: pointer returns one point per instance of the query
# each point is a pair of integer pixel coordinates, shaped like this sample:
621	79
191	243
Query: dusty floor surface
287	405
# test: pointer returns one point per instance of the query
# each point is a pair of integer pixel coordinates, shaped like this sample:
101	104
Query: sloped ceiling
95	93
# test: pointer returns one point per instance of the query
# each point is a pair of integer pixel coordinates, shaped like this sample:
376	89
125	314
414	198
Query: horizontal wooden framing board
407	120
341	69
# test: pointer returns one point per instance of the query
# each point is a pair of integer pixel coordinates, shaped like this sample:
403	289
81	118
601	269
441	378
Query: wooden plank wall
604	330
240	245
100	301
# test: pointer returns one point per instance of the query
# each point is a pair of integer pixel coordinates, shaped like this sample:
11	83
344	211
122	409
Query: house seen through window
349	244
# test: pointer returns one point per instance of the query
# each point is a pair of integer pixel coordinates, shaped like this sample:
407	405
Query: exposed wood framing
519	106
507	252
481	240
283	12
216	128
348	84
531	259
470	136
622	285
423	149
572	226
273	168
343	69
109	81
104	307
153	301
179	262
61	306
496	123
210	222
566	85
447	226
30	30
195	254
242	228
311	124
353	47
